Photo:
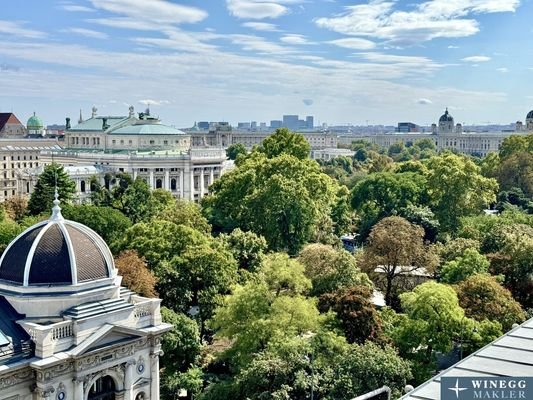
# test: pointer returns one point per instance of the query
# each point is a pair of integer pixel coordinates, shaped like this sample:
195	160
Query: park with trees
265	301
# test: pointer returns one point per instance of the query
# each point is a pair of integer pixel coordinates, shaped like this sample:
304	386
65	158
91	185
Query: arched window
102	389
140	396
158	183
173	185
82	186
27	187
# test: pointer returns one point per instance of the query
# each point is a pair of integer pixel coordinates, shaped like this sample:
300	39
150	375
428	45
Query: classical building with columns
141	146
68	330
447	135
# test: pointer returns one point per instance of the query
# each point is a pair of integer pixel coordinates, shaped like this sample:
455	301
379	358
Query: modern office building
291	122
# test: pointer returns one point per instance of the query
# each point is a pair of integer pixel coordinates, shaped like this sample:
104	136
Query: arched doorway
102	389
158	183
173	185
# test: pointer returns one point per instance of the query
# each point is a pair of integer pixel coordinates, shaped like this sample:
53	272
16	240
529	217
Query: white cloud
354	43
87	33
153	11
76	8
261	26
148	102
502	70
424	101
453	47
259	9
295	39
13	28
429	20
259	44
476	59
392	58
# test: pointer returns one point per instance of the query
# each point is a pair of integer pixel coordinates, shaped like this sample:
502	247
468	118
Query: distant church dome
56	252
446	117
34	123
529	115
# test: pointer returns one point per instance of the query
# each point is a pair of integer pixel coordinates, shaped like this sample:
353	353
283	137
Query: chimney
67	123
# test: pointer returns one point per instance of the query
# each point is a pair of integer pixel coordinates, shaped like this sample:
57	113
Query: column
202	190
134	173
182	182
154	374
128	380
192	183
211	175
78	388
151	178
167	179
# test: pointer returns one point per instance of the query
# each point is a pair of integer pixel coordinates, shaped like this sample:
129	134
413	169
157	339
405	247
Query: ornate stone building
68	330
141	146
450	136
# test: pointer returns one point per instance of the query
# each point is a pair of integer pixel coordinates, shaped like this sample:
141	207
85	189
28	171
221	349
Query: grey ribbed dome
56	252
529	115
446	117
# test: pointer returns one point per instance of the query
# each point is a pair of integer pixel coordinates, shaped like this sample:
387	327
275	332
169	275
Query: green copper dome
34	123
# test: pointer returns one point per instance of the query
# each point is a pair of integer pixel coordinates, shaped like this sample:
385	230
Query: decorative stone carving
16	378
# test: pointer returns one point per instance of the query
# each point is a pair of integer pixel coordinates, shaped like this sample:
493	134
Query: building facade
449	136
141	146
68	330
11	127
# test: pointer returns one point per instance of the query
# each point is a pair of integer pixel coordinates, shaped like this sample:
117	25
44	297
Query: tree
135	274
133	198
515	144
455	248
107	222
330	269
247	248
464	266
43	194
196	279
435	321
483	297
396	247
367	367
283	141
9	230
358	317
516	171
385	194
183	212
16	207
456	188
235	150
281	199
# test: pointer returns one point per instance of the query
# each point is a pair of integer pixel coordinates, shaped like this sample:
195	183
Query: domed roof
529	115
56	252
34	123
445	117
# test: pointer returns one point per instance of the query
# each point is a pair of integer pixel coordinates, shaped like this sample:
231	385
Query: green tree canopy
456	188
247	248
43	194
464	266
483	297
330	269
283	141
234	150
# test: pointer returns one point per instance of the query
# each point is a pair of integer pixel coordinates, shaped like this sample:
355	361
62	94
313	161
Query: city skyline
345	62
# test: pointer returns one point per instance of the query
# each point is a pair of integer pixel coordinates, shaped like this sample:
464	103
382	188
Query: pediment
105	336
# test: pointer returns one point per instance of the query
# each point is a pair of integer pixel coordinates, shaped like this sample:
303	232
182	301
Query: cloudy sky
343	61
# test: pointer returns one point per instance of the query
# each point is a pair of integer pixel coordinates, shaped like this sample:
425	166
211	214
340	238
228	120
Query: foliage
284	275
197	277
516	171
385	194
235	150
135	274
280	199
283	141
183	212
355	311
247	248
368	367
464	266
9	230
43	193
107	222
515	144
330	269
16	207
133	198
455	248
396	247
181	346
424	217
483	297
456	188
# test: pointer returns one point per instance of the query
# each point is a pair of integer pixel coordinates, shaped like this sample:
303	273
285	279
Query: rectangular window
152	141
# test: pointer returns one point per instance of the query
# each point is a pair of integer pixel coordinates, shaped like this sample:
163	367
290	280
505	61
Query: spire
56	210
80	120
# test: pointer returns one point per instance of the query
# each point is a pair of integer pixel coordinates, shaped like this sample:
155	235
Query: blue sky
240	60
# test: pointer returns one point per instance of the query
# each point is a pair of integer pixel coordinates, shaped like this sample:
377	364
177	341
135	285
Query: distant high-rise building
262	126
309	122
253	125
243	125
291	122
276	123
203	125
405	127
